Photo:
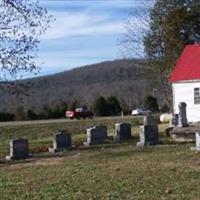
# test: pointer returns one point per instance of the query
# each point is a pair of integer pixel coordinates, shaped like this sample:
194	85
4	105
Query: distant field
115	171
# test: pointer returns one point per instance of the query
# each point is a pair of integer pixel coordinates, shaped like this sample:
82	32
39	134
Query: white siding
184	92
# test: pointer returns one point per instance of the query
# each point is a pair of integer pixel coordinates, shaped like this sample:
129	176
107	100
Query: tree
100	107
170	26
21	24
151	104
113	106
173	24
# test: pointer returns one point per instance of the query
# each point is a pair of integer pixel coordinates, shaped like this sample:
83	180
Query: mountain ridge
127	79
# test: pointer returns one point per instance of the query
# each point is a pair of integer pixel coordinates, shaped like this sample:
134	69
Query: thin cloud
68	24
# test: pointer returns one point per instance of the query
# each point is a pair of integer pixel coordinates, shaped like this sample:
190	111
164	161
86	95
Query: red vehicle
79	113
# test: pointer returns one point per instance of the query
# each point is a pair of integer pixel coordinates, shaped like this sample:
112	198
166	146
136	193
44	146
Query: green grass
116	171
40	135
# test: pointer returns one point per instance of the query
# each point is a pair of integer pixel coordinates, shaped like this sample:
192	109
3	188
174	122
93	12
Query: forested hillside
128	80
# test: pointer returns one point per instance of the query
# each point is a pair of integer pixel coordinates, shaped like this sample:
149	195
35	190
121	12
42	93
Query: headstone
61	141
96	135
197	138
122	131
182	116
149	120
18	149
174	121
148	132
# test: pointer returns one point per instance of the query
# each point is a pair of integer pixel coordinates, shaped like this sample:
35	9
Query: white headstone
197	136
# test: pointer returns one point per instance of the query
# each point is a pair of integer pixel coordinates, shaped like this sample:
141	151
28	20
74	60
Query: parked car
79	113
140	111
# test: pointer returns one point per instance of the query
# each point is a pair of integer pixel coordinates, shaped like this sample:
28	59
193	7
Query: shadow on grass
111	149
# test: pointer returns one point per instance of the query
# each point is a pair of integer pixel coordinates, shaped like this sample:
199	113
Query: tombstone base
9	158
87	144
53	150
140	144
16	158
195	149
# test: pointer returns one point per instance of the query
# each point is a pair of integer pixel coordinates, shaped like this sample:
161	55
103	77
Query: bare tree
21	24
136	28
133	45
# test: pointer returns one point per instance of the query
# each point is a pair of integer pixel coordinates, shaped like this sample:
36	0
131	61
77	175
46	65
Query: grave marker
148	132
61	141
122	131
96	135
182	116
18	149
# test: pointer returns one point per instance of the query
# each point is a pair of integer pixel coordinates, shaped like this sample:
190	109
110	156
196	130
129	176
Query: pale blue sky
84	32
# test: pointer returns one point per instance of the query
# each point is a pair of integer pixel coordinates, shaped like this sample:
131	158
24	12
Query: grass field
115	171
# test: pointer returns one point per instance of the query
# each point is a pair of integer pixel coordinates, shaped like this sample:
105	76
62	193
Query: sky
83	32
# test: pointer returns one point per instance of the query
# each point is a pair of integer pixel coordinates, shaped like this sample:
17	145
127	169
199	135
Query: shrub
100	107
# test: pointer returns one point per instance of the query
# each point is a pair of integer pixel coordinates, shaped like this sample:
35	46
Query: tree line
101	106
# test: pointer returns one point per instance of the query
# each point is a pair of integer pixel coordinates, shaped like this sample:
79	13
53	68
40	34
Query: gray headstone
148	135
149	120
174	121
61	141
182	116
96	135
122	131
18	149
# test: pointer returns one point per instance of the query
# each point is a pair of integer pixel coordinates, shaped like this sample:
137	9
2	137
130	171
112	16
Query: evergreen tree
100	107
173	24
31	115
113	105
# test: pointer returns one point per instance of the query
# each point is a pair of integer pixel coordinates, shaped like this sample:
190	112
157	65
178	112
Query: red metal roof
188	65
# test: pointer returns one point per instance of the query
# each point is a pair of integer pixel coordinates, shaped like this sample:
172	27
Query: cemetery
135	133
136	144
